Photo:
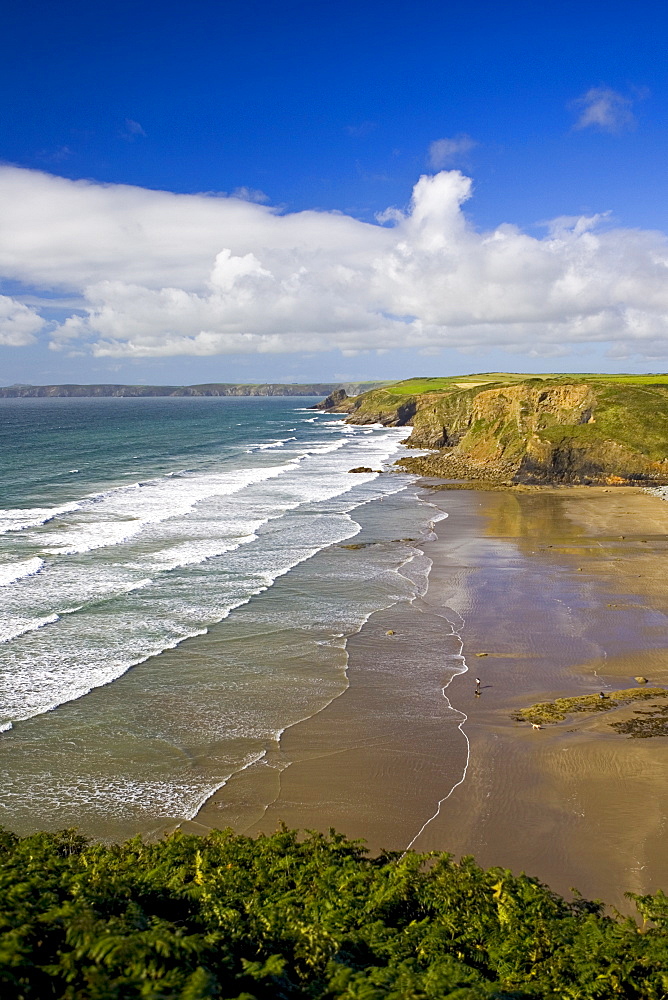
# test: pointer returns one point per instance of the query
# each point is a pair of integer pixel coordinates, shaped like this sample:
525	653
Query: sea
178	580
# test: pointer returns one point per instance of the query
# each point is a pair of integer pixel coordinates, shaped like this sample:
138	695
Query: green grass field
415	386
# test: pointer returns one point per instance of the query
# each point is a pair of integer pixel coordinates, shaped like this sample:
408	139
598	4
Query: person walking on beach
477	685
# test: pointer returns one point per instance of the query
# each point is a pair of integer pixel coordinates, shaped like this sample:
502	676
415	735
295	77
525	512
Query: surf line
460	726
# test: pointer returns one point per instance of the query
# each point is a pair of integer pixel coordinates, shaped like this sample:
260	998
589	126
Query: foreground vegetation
280	917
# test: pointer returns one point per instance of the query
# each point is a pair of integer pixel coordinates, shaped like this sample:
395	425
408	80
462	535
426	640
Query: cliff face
206	389
535	431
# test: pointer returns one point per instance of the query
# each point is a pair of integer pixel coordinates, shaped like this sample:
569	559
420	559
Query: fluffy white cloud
160	274
605	109
443	152
18	323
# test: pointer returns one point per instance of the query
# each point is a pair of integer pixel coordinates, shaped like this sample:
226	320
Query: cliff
206	389
540	430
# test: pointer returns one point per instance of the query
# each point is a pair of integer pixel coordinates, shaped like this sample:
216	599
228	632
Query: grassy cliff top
416	386
548	428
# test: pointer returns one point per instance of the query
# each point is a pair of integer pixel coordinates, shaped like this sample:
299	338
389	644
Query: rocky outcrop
335	399
538	431
373	408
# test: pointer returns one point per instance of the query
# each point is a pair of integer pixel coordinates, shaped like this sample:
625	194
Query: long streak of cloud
160	274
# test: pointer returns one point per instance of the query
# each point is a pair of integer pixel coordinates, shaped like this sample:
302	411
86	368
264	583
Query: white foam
193	553
125	512
324	449
11	572
121	796
269	445
122	500
110	599
179	791
30	517
47	675
15	627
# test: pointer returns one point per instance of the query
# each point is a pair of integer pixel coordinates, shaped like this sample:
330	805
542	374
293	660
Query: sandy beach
565	591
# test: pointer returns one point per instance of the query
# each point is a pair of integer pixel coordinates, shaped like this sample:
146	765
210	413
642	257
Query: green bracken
313	918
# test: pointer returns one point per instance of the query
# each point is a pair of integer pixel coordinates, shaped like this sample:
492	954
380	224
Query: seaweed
652	722
552	712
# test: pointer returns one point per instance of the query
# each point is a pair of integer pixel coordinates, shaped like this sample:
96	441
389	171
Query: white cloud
132	130
605	109
250	194
156	274
18	323
444	152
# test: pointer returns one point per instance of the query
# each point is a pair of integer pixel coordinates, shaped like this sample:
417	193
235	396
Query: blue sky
269	112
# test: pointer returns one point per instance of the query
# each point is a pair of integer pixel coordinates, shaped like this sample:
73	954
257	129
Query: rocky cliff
206	389
538	430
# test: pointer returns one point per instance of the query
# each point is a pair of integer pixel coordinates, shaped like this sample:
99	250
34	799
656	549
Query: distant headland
205	389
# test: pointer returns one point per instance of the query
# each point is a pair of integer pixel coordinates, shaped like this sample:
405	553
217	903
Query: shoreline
247	799
576	804
565	597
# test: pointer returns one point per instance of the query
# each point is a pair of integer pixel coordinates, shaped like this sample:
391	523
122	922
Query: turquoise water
177	590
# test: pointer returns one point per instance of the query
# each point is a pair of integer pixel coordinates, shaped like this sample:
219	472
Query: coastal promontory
609	429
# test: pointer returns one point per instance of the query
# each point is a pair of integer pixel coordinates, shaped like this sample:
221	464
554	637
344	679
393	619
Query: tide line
460	726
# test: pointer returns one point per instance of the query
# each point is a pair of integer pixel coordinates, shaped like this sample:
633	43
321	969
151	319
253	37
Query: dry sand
566	591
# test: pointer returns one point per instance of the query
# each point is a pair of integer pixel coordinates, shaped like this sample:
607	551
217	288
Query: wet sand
566	591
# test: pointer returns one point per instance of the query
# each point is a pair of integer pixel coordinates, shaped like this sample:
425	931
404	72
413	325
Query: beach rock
362	468
641	680
390	632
